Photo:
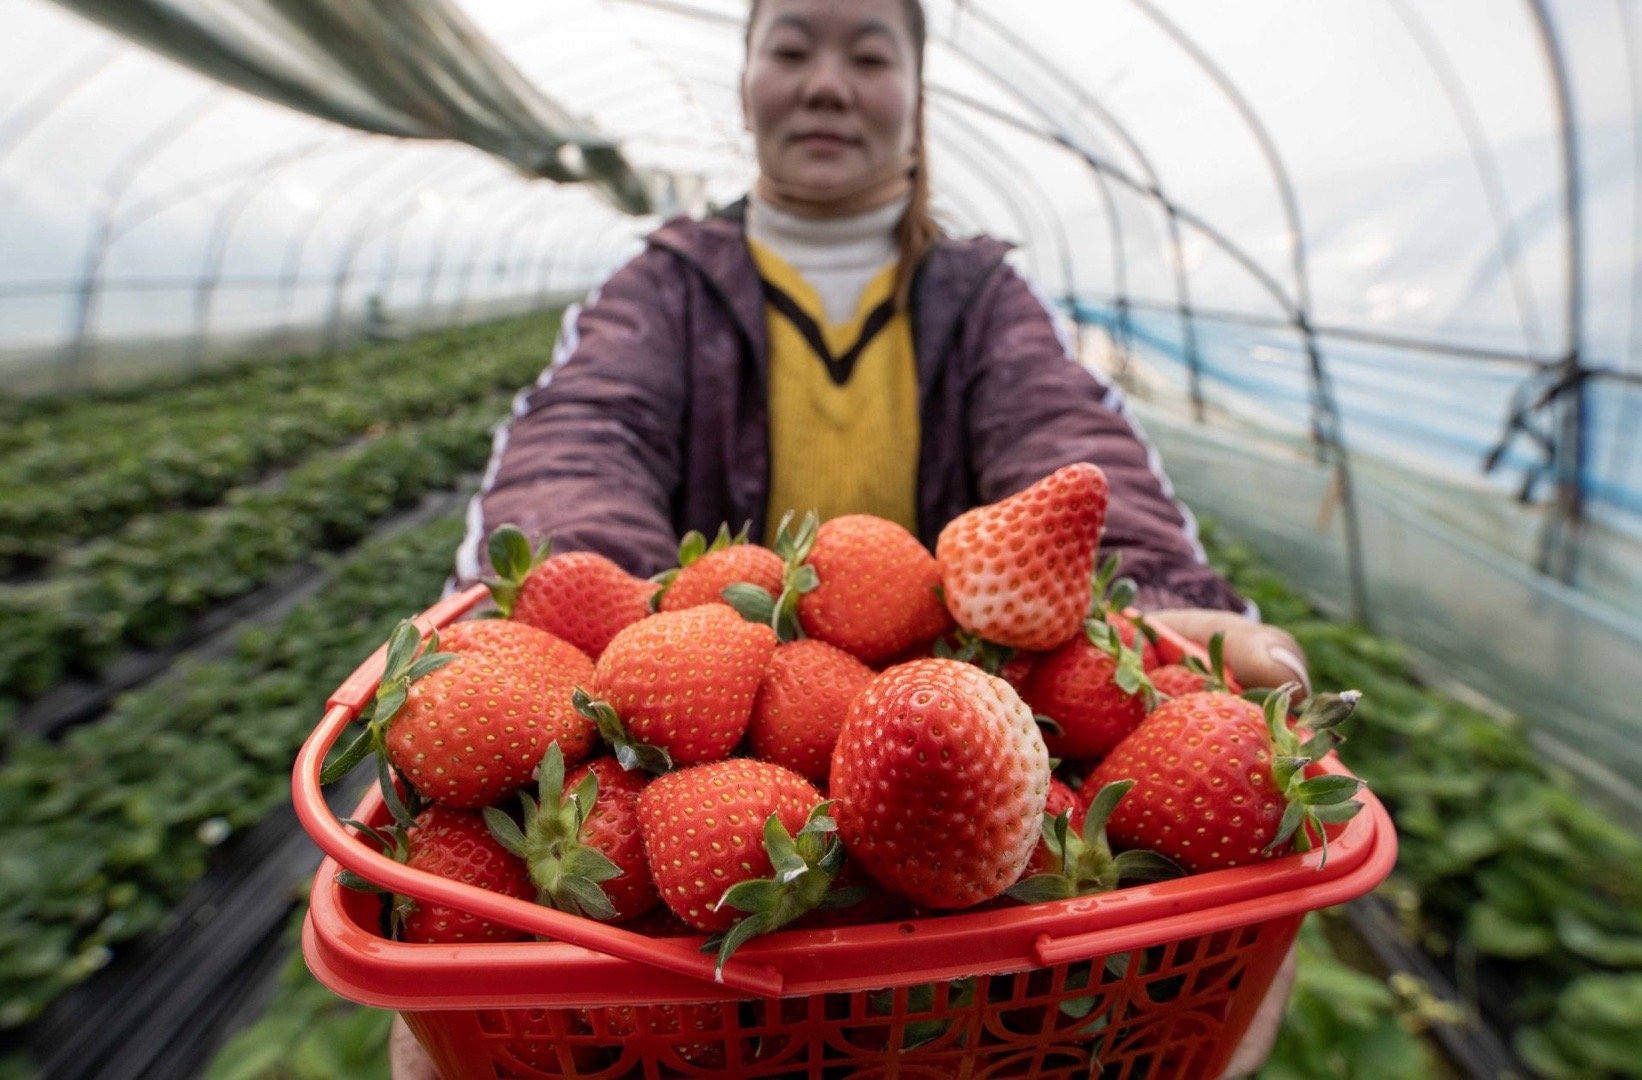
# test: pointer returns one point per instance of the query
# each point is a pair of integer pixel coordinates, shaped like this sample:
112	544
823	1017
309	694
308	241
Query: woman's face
830	92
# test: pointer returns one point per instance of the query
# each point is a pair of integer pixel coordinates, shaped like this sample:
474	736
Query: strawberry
1222	783
582	849
1061	800
801	705
1192	676
581	597
1111	599
456	845
1093	690
704	829
469	720
1075	858
678	687
1017	572
704	572
940	777
874	589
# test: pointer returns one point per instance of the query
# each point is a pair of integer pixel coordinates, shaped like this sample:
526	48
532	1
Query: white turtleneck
838	256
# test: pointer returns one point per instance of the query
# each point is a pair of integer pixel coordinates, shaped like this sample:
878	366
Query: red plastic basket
1156	981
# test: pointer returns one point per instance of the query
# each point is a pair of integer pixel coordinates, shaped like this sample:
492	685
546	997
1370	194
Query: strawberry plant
1507	872
88	468
100	833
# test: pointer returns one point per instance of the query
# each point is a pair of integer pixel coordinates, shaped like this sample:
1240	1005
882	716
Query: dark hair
917	230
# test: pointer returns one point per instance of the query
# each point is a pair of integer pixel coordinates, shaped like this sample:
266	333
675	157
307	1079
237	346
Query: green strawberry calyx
1214	672
804	869
512	559
630	753
407	661
393	840
1316	801
568	873
690	550
780	613
1130	675
972	648
1085	860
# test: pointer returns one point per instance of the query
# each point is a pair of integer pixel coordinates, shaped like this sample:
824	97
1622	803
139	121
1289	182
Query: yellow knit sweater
843	401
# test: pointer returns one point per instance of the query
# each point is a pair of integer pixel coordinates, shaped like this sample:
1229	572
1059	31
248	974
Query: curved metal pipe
114	189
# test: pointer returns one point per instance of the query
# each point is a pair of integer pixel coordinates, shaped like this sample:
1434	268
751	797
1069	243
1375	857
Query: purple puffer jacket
653	420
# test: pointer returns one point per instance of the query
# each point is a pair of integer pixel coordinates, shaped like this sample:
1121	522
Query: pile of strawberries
844	728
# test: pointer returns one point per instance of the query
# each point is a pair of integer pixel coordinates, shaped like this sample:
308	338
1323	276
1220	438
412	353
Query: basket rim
357	963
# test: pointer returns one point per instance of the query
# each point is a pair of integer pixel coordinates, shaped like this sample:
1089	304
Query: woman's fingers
1256	654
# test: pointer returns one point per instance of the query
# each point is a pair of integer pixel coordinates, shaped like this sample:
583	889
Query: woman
823	344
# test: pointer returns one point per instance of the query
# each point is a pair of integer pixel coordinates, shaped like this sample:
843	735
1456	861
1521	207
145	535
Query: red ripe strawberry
1130	633
681	681
704	572
876	589
1220	783
940	778
613	829
1061	800
1017	572
704	831
1018	668
581	597
473	729
1095	694
1193	676
580	839
807	691
456	845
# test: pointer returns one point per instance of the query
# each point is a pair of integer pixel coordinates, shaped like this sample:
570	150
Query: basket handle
341	844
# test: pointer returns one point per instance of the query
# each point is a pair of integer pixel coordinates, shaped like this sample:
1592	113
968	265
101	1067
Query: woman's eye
871	60
788	53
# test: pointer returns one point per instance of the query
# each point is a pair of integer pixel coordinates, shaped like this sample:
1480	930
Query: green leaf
402	647
753	603
1041	888
754	894
587	896
350	880
693	547
739	935
550	778
1147	866
1293	814
428	664
390	794
357	751
510	552
1329	790
590	863
1492	931
1101	807
505	830
806	579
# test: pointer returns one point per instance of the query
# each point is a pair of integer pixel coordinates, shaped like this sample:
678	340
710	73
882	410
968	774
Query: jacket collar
951	274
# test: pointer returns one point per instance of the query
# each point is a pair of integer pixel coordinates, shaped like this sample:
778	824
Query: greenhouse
289	290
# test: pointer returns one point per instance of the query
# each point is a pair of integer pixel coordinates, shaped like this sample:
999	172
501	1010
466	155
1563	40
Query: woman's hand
1256	654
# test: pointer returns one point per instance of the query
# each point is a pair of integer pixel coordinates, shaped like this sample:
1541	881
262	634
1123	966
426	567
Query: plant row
1507	872
101	833
168	451
36	424
149	582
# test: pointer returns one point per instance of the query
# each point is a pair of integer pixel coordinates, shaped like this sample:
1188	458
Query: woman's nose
827	83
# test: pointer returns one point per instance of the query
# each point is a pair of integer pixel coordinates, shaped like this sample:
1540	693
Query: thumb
1256	654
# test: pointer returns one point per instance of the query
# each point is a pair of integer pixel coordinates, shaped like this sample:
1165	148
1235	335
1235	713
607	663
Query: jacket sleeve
592	456
1032	409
